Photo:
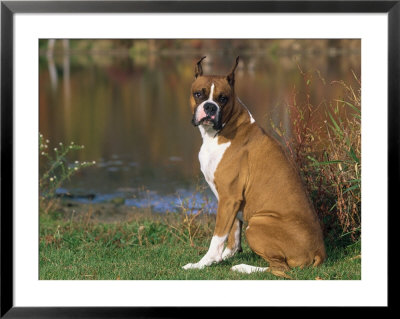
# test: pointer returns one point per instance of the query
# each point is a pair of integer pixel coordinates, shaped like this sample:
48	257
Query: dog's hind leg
234	244
263	239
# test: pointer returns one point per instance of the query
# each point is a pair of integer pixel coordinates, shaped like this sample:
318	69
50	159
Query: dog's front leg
226	214
214	253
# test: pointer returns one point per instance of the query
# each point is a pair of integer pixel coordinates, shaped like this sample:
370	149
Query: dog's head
212	97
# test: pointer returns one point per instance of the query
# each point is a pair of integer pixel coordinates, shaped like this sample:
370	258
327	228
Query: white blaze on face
210	97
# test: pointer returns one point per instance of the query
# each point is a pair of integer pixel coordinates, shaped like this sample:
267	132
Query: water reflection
130	109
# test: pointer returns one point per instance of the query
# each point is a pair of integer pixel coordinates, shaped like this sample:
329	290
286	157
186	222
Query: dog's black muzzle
213	116
210	109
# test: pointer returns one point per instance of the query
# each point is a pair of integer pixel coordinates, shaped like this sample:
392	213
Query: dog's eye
198	94
222	99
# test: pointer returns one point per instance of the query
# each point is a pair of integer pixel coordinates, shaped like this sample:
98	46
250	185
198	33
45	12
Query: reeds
55	169
325	142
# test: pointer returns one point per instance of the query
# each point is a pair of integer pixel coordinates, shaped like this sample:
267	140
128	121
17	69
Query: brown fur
231	238
256	177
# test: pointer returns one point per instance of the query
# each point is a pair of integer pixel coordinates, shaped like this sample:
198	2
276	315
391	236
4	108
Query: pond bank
129	201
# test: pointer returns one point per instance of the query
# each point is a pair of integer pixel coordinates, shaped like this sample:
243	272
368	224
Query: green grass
152	246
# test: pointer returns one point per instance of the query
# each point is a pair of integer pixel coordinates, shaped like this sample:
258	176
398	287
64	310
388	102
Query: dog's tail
319	258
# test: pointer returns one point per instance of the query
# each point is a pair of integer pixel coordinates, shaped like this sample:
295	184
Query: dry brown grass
328	153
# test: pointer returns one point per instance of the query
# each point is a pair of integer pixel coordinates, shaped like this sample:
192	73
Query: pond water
131	110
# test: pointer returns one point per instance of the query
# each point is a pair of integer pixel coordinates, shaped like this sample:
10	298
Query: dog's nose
210	109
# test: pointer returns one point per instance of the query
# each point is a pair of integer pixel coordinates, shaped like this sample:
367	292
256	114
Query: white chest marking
210	155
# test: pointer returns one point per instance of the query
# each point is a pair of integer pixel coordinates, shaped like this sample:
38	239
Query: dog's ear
231	76
198	70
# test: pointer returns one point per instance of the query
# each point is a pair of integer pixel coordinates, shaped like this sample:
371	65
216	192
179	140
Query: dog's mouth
208	120
213	120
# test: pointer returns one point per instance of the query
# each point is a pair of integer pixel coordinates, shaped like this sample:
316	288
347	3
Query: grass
149	246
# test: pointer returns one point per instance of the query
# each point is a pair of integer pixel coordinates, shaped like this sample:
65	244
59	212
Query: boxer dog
254	181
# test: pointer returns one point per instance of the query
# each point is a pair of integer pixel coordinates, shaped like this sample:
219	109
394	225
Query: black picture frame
9	8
